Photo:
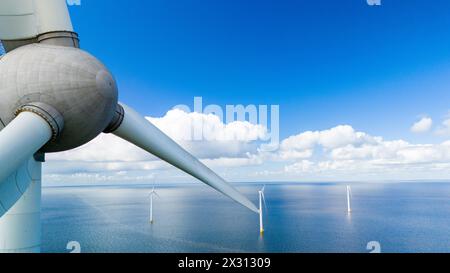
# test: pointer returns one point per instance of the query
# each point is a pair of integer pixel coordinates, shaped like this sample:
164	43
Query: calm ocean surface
402	217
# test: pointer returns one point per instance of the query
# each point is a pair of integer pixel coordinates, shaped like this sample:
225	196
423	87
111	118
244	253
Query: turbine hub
67	85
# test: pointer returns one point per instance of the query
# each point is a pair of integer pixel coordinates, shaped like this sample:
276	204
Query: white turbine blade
26	19
264	200
20	140
17	20
145	135
52	15
153	192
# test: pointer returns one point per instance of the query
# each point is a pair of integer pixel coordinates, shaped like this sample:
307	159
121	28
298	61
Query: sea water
300	217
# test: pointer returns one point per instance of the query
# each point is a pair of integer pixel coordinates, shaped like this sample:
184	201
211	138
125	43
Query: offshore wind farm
301	218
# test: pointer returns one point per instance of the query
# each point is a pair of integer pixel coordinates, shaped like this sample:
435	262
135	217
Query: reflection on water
300	218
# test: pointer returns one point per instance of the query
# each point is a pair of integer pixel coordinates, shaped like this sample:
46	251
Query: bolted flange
54	119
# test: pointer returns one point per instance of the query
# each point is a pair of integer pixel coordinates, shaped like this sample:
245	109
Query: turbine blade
17	20
20	140
137	130
264	200
53	15
22	21
157	194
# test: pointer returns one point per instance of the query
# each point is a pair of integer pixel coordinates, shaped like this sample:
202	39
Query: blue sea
300	218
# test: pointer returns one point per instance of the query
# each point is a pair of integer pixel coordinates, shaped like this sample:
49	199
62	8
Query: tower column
20	226
261	224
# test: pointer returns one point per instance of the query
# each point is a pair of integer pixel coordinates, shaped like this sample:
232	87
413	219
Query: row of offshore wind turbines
262	204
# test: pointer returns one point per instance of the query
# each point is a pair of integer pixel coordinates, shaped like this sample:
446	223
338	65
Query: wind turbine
262	199
152	193
349	195
56	97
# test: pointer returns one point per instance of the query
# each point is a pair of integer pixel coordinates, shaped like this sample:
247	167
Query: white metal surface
17	20
262	200
151	208
349	208
25	19
70	80
52	15
145	135
20	140
20	227
261	224
152	193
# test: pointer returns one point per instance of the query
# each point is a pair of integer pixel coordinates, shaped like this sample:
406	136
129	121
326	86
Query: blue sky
326	63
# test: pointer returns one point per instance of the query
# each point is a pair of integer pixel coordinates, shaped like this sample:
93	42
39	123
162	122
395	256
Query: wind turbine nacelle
68	87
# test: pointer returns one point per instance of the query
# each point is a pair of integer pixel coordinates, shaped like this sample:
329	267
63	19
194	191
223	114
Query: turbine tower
56	97
152	193
349	194
262	200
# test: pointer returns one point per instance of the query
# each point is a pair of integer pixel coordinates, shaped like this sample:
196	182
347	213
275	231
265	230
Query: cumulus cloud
362	153
336	137
194	126
217	139
444	129
422	126
218	145
394	153
299	167
336	153
104	148
303	145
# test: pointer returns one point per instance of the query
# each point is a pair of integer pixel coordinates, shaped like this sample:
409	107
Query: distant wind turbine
152	193
349	195
262	200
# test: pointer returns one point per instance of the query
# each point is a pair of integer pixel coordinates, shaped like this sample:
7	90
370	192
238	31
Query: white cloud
70	167
104	148
343	153
299	167
183	126
226	145
336	137
422	126
444	129
304	144
376	157
251	160
333	154
222	140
